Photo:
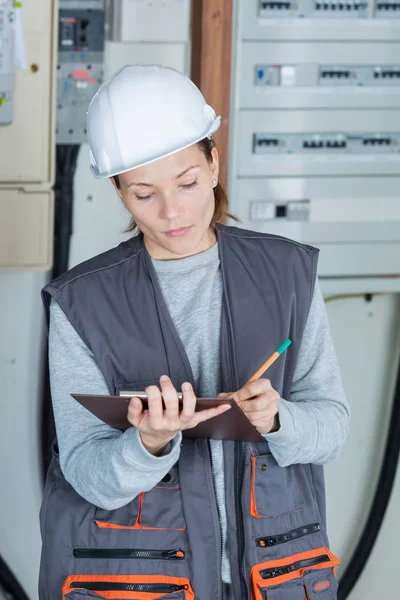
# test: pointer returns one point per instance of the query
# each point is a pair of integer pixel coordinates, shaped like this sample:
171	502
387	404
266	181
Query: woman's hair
221	200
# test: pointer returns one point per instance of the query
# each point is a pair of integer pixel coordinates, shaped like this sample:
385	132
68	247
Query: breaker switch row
349	6
313	144
388	6
336	74
271	5
267	142
387	74
387	141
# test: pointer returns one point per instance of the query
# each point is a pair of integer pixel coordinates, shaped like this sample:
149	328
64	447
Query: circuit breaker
80	66
7	75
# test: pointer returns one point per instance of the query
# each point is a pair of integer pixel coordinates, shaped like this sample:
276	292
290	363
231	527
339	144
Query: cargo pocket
304	576
125	517
322	585
162	506
159	508
132	587
274	490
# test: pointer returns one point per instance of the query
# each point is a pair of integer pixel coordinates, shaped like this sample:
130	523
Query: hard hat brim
211	130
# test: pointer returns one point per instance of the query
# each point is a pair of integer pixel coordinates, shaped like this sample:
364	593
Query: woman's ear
214	166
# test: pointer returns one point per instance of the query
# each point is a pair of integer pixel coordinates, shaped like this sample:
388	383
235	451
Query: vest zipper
128	553
289	536
240	455
150	588
300	564
219	515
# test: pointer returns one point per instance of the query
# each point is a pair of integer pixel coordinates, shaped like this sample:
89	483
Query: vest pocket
159	508
125	517
303	576
133	587
293	590
274	490
162	506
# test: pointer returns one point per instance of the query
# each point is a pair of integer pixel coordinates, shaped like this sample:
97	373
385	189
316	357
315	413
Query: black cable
9	583
380	503
66	161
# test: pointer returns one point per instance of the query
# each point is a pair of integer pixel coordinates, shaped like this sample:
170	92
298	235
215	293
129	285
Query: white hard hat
143	113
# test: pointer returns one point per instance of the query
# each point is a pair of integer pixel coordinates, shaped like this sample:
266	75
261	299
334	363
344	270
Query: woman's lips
178	232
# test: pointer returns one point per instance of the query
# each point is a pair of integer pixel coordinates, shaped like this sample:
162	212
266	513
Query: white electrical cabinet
319	75
315	129
28	150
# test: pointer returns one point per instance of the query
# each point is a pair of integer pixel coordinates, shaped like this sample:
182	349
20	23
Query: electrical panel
334	9
346	218
311	20
319	75
7	75
315	134
80	66
318	142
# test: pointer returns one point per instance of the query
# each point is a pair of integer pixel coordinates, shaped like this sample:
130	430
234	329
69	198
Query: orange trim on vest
137	525
322	586
259	584
253	503
104	525
128	579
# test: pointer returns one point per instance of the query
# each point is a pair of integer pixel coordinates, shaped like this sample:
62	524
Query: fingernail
227	407
164	378
186	386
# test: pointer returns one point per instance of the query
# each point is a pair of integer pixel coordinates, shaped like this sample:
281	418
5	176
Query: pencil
270	360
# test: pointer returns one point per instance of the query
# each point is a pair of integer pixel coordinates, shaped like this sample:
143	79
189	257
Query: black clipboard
231	425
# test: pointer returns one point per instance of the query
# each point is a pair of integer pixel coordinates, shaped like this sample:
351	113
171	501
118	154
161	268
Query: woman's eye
187	186
144	197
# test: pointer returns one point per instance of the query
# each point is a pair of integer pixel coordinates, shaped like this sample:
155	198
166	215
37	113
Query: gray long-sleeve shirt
109	468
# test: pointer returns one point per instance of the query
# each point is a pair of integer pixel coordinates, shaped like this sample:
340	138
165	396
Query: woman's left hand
259	401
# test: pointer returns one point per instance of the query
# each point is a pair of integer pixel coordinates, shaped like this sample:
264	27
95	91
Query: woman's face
172	202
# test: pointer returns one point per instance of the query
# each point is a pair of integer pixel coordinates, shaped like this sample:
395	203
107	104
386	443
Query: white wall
366	337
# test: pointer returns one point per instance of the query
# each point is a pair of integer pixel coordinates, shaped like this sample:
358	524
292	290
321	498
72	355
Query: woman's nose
171	209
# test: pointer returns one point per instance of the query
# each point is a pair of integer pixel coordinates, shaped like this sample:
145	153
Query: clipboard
232	425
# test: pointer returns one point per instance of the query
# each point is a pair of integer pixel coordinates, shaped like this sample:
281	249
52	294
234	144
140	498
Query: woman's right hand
158	426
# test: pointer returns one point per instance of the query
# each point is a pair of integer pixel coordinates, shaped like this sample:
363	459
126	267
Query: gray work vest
166	543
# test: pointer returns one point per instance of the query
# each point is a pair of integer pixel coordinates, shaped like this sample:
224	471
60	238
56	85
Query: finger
224	395
135	408
260	403
189	403
170	398
255	388
210	413
155	406
256	405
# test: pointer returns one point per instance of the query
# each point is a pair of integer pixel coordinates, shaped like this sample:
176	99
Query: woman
193	306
